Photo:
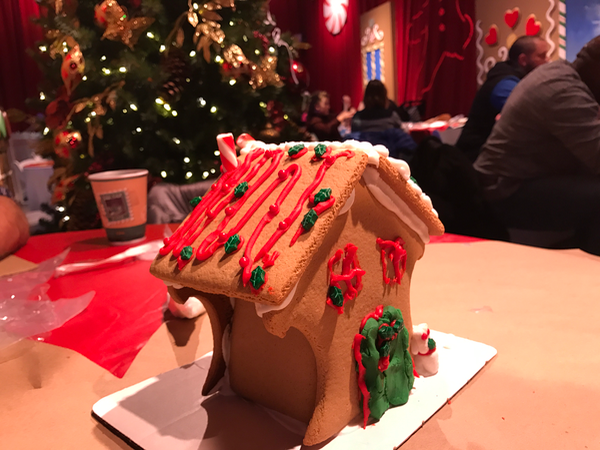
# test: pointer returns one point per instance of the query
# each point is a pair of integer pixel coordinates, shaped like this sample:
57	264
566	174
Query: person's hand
14	228
346	115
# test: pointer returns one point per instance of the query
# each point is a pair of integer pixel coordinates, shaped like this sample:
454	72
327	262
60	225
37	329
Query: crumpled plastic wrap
25	308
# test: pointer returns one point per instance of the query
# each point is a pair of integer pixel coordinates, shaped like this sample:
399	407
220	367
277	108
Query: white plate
169	411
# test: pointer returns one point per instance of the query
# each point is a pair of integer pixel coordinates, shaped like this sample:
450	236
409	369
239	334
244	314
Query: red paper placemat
126	310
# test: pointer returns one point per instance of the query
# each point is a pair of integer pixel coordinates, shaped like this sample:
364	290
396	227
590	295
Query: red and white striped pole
227	151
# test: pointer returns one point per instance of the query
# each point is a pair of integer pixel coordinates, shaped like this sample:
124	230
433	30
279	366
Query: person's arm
501	91
14	228
576	124
321	128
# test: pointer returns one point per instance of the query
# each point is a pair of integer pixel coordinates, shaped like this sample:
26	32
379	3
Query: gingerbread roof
254	232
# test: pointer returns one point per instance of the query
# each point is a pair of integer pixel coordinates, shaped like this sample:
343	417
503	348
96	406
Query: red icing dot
282	174
229	211
244	261
223	237
442	27
274	209
283	225
225	187
441	11
211	214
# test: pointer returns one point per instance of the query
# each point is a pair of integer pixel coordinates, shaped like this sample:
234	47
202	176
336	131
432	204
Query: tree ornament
118	26
66	141
301	74
177	65
72	68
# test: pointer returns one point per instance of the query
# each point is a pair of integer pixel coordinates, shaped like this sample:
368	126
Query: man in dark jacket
526	54
540	167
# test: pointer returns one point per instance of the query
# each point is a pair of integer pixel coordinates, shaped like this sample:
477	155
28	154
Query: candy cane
227	151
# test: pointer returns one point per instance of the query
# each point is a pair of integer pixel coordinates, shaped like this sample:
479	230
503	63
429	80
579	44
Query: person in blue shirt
526	53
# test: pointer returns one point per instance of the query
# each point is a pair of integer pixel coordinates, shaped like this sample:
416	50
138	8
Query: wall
495	17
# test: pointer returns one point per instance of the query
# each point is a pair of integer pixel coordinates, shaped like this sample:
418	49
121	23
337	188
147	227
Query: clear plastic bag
26	310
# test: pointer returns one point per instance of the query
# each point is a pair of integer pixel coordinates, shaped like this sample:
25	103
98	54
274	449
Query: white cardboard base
169	411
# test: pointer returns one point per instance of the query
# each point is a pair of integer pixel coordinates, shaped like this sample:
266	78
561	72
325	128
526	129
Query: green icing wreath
392	386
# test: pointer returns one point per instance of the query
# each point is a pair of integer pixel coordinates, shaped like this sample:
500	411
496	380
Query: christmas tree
150	84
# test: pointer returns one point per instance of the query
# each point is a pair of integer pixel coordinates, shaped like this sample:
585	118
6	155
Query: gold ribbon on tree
264	73
118	26
206	22
99	105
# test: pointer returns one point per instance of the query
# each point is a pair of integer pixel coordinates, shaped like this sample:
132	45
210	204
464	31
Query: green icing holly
322	196
414	180
309	219
240	189
430	344
295	149
186	253
336	296
320	150
194	202
385	331
392	387
258	277
232	243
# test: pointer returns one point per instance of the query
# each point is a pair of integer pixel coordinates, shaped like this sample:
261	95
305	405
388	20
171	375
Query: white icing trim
549	40
480	68
264	309
392	202
503	53
173	285
401	166
348	204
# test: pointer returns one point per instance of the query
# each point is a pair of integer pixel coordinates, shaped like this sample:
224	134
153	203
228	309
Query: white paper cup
121	196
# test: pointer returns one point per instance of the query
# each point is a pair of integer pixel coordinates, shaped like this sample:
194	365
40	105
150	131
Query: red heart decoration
532	27
511	17
492	37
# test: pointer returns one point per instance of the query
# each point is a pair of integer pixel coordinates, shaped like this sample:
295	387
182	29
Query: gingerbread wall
500	22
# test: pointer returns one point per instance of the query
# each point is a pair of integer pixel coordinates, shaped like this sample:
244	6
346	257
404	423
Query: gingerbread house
302	254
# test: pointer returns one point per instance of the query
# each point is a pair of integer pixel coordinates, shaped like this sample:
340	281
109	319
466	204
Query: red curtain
19	74
435	50
437	54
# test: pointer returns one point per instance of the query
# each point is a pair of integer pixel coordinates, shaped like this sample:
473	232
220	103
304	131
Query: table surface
539	308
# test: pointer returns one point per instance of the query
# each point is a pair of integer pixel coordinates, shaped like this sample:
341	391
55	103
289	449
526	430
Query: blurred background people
526	53
540	167
377	114
378	123
321	122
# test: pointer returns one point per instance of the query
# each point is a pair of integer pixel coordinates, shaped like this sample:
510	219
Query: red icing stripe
350	269
221	198
361	378
374	315
397	255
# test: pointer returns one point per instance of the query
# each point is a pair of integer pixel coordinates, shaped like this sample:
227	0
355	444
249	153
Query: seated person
377	123
540	167
321	122
14	228
527	53
376	115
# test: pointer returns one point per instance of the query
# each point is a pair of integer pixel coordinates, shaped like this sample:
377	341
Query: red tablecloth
128	305
129	302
